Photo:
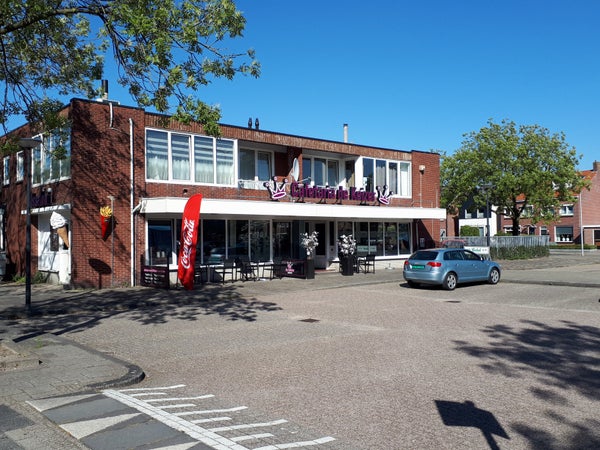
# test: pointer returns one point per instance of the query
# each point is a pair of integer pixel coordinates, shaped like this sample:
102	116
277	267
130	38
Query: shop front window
260	248
282	240
160	242
213	241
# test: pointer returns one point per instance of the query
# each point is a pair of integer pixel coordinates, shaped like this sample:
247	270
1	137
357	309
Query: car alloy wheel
494	276
450	281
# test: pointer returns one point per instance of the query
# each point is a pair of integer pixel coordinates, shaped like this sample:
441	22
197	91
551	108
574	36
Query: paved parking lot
362	359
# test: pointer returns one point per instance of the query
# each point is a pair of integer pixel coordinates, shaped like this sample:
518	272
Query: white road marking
297	444
211	419
251	436
201	434
176	386
249	425
86	427
180	405
210	411
55	402
173	399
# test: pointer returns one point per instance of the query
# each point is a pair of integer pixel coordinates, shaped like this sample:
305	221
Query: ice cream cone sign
105	220
59	223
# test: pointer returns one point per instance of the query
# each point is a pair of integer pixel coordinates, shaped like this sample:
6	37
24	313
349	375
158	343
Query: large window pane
404	188
307	169
404	238
246	164
157	155
263	166
225	174
376	238
213	241
319	172
362	237
180	155
333	173
260	249
238	238
160	242
368	174
203	159
282	240
393	172
380	175
391	239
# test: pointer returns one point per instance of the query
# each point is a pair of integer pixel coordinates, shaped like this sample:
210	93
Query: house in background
260	189
578	218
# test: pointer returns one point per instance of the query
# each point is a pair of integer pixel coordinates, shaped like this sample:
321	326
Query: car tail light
406	263
434	264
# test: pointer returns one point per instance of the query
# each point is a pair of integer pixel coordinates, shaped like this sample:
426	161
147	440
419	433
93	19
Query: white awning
273	209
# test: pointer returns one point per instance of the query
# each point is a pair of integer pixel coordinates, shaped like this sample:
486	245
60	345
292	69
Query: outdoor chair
367	263
228	268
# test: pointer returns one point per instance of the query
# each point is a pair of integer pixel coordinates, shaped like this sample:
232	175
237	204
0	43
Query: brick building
583	215
145	166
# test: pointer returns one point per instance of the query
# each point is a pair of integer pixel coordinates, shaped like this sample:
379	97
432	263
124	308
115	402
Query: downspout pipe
131	201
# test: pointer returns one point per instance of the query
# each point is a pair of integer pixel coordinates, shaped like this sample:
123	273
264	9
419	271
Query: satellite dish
295	169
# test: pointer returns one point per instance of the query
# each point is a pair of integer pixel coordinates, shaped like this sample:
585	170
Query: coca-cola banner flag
189	237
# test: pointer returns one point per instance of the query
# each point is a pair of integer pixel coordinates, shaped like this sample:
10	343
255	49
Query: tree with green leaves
526	170
165	50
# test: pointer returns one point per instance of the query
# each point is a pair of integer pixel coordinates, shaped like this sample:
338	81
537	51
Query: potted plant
346	253
309	242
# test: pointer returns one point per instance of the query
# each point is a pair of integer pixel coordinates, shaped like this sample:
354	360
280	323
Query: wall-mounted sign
300	191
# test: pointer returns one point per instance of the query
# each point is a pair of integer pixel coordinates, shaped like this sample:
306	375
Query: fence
503	241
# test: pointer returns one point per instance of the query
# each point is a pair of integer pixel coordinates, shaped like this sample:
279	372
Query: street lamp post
485	188
27	144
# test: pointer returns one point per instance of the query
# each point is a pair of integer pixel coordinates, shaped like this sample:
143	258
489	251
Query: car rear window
425	255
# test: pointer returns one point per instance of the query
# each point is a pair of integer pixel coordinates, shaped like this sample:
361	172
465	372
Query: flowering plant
309	242
346	245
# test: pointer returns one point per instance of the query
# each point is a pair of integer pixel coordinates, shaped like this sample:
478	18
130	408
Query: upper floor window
174	156
393	174
566	210
20	167
321	171
255	165
6	171
51	161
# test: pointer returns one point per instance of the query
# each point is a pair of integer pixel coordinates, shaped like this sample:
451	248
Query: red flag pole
189	237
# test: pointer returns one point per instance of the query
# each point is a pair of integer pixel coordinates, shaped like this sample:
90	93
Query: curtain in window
180	155
404	188
157	155
203	159
380	173
393	173
225	174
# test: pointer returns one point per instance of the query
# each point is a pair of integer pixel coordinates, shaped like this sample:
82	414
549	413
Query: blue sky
420	74
417	75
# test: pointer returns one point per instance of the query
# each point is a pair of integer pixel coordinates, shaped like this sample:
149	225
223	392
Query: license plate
417	266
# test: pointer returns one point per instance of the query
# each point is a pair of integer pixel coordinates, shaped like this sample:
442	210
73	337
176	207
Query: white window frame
255	177
6	171
566	210
404	183
327	161
46	167
20	167
217	149
563	237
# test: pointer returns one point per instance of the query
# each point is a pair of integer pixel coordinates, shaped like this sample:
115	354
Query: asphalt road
511	366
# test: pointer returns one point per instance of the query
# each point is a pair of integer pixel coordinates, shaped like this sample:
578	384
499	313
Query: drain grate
309	320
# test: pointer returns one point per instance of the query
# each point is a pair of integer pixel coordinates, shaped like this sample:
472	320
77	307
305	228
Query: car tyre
450	281
494	276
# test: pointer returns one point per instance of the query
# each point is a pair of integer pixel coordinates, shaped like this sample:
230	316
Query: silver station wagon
448	267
